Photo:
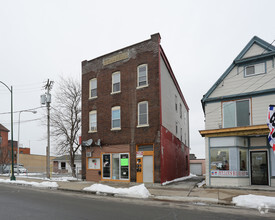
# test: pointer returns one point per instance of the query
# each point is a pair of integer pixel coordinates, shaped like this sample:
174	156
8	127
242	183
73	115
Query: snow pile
179	179
64	179
34	184
139	191
201	184
262	203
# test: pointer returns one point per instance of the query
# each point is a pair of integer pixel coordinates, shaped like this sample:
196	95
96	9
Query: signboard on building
229	173
139	154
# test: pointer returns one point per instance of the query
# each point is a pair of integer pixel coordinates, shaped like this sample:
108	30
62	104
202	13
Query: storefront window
124	166
219	158
94	163
243	159
106	166
115	166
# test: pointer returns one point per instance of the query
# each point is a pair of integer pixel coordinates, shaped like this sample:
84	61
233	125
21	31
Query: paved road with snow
17	202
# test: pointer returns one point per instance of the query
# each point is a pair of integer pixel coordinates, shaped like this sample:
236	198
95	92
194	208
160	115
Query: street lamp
32	111
12	154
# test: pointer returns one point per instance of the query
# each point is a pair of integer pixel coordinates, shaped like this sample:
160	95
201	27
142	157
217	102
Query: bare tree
66	118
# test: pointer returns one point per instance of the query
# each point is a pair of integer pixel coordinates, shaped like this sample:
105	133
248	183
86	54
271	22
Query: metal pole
12	155
18	144
48	131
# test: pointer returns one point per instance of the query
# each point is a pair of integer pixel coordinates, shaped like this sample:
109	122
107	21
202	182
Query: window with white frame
142	76
92	121
93	88
116	82
176	127
254	69
116	117
143	113
94	163
236	113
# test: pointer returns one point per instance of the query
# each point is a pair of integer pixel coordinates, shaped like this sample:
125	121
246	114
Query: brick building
136	116
5	147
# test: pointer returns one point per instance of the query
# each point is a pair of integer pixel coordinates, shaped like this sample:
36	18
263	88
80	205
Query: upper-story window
143	114
116	82
180	110
236	113
116	118
176	103
142	76
92	121
93	88
254	69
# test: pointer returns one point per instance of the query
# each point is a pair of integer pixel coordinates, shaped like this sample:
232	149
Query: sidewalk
185	191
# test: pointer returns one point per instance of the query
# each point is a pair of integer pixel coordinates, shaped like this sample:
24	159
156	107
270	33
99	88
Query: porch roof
237	131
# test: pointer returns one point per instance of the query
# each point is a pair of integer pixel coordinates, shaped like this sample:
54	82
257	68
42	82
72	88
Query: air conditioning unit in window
88	154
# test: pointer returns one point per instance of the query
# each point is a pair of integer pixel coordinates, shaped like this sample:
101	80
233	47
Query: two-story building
235	108
135	120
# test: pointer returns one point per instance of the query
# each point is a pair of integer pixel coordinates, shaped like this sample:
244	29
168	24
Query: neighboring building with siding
235	108
135	113
62	164
197	166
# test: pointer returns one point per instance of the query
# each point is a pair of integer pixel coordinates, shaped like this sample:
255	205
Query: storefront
115	166
240	161
108	163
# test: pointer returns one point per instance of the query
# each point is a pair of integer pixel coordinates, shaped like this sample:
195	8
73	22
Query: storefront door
259	168
148	169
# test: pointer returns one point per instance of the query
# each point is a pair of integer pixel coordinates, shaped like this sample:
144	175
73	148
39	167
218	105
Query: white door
148	169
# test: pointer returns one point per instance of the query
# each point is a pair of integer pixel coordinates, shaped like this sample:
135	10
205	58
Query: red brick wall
24	150
175	157
5	136
146	52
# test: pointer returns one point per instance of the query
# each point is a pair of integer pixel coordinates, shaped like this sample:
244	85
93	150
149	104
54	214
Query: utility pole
46	99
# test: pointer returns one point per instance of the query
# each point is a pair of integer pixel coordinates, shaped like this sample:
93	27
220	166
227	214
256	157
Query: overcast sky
42	40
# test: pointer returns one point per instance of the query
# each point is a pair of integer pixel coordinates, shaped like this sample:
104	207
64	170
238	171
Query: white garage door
195	168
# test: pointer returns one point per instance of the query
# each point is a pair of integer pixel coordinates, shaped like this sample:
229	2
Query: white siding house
235	108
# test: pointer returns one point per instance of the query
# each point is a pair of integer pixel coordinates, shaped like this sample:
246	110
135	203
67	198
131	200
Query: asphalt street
18	202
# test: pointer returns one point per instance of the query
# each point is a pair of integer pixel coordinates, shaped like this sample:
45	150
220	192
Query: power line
257	80
267	47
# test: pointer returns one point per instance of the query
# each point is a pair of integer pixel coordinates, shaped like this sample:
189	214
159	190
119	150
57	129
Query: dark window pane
116	123
243	113
116	87
143	119
250	70
93	92
145	148
106	166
